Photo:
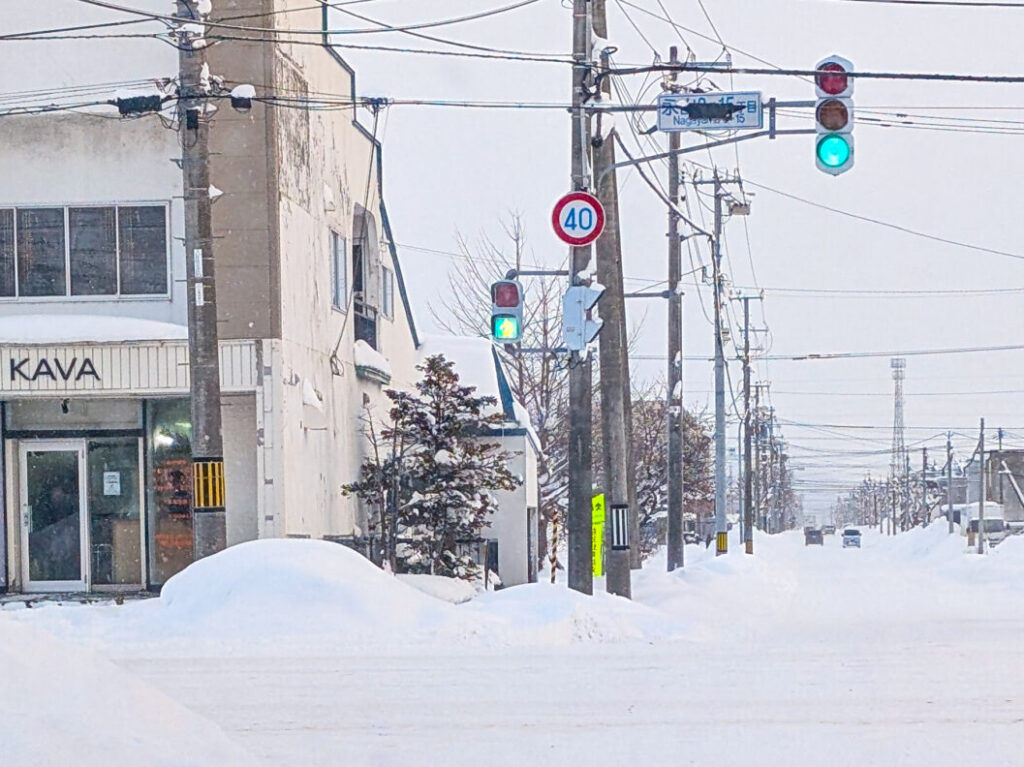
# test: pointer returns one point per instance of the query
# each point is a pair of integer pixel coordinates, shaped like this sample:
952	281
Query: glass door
53	515
115	530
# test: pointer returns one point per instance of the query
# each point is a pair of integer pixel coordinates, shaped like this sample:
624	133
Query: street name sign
710	111
578	218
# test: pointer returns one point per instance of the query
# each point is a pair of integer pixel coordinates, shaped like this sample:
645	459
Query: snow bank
548	614
61	705
285	587
446	589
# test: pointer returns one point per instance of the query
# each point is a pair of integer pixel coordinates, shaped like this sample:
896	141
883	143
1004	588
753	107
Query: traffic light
833	115
577	329
507	312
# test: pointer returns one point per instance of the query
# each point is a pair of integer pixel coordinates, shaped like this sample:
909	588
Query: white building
93	340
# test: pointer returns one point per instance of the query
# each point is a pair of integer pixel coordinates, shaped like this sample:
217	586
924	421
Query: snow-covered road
906	652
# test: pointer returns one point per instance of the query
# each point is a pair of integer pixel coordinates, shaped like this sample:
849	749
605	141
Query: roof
478	364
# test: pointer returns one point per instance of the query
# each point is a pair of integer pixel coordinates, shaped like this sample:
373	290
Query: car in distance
812	536
851	538
829	530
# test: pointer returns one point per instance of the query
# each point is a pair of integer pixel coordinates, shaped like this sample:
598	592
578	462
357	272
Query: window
6	253
387	292
83	251
339	273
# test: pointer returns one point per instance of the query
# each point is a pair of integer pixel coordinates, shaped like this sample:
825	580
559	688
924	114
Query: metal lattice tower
900	461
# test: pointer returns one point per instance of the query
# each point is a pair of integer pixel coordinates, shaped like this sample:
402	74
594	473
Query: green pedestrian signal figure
507	312
833	115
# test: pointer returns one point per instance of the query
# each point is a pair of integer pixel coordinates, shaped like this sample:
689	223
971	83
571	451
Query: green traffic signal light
505	327
834	151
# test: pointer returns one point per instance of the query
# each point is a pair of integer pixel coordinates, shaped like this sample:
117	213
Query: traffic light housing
507	312
833	115
576	328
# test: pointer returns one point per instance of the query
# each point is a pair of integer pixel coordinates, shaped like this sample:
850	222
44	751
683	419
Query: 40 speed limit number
578	218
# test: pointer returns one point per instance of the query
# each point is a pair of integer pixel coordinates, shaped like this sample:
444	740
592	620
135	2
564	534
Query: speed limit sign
578	218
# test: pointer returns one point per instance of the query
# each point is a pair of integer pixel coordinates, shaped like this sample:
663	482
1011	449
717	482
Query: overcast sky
452	170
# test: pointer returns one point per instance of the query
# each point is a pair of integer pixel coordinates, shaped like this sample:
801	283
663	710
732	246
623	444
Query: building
313	314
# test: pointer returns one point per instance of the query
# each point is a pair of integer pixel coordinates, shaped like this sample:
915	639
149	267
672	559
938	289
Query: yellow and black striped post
208	484
721	543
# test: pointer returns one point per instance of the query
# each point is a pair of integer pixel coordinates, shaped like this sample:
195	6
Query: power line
318	32
815	357
777	71
941	3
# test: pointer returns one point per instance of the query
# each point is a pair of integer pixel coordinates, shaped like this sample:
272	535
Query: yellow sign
208	484
597	533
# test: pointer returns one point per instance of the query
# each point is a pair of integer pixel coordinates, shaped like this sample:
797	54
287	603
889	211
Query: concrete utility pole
580	530
614	378
721	531
924	486
674	420
949	482
999	470
208	503
748	509
981	489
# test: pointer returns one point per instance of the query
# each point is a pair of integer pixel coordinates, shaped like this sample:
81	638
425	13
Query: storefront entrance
81	514
53	515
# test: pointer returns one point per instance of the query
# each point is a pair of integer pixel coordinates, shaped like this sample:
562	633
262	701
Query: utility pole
874	503
757	459
614	377
208	519
999	470
949	482
981	489
721	531
579	528
674	421
924	486
748	510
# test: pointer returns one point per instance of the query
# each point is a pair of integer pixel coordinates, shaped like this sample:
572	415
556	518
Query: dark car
813	537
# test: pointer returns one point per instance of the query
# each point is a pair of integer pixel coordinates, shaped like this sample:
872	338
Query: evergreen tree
431	475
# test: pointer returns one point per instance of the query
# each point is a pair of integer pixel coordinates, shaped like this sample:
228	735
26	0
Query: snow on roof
477	365
368	357
71	328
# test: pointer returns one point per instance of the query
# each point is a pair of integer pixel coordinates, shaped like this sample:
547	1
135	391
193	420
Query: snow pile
546	614
280	588
61	705
446	589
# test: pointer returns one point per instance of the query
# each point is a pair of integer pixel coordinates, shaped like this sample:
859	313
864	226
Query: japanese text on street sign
710	111
597	533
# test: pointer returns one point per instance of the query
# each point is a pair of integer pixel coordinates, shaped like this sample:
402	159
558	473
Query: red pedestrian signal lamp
507	312
833	115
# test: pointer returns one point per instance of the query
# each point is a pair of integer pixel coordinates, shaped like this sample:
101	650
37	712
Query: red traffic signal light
832	78
505	294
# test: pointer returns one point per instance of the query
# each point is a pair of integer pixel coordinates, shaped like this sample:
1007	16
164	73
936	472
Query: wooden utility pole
674	419
208	503
614	380
580	530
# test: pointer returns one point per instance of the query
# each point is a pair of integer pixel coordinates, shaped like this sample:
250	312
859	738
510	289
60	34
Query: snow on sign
710	111
578	218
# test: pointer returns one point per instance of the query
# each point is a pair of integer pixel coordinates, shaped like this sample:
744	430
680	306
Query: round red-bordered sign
578	218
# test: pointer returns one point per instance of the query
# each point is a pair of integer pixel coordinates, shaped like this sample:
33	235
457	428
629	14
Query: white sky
449	170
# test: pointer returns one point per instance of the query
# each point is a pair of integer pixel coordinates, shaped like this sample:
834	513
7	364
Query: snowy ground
905	652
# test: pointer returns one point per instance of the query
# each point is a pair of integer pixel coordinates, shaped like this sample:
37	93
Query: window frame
338	270
67	296
387	292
